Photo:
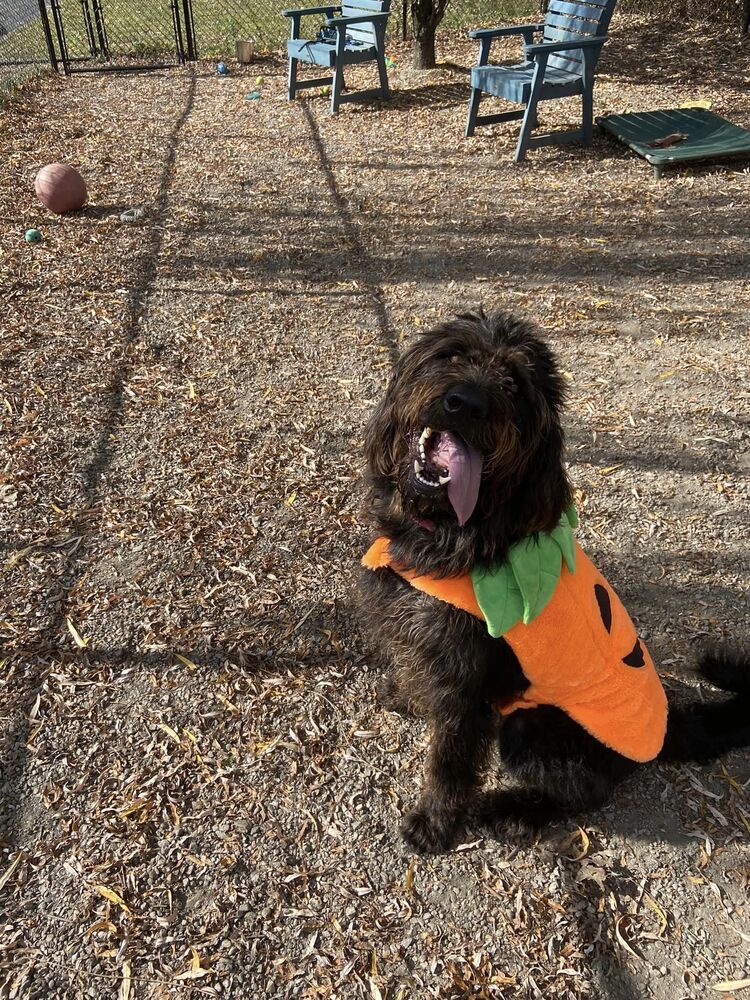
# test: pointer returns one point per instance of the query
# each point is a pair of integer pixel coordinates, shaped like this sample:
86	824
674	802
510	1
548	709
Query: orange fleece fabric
574	654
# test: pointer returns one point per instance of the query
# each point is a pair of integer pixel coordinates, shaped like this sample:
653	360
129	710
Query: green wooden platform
709	136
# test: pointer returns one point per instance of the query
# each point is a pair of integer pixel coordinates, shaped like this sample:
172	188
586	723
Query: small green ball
32	236
326	91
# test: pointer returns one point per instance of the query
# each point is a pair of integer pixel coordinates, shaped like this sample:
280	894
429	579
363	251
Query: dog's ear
544	490
380	436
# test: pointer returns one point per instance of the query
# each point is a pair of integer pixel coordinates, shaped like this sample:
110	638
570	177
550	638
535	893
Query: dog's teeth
417	467
443	480
425	436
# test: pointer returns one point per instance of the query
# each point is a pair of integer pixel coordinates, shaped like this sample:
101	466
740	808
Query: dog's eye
455	359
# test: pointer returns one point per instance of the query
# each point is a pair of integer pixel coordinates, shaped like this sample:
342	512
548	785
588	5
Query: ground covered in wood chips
199	794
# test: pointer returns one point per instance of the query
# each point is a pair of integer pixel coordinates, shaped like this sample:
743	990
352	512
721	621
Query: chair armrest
342	22
311	10
514	29
486	36
547	48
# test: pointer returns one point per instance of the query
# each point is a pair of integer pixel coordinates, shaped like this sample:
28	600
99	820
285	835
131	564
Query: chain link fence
472	13
23	45
120	34
103	33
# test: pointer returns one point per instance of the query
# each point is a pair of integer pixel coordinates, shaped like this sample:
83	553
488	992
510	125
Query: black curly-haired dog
465	457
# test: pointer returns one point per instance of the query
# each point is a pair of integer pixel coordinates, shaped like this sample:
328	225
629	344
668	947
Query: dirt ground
199	794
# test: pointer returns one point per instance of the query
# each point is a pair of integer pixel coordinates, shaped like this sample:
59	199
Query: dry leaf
663	919
621	922
580	834
134	807
100	925
409	881
729	985
467	846
195	971
112	896
170	732
125	984
77	637
742	934
590	871
10	870
192	973
673	139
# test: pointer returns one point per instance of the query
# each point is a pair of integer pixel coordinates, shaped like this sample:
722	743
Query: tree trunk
423	48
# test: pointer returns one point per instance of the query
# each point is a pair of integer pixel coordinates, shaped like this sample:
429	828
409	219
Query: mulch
199	794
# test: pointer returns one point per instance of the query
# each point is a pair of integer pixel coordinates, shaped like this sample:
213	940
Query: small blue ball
221	69
32	236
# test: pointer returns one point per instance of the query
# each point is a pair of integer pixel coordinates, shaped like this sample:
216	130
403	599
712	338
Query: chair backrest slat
573	20
567	9
361	7
575	25
361	33
364	32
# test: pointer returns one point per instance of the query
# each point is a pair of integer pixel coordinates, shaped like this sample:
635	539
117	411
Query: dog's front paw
429	832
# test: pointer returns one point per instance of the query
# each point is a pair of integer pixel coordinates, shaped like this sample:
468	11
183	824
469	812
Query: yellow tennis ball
259	80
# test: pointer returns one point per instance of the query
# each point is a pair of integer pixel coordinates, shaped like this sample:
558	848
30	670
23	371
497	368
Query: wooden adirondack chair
354	32
561	64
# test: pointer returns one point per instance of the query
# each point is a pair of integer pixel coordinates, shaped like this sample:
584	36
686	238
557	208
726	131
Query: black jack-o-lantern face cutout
635	657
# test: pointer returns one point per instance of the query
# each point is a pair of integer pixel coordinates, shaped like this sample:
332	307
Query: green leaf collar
521	587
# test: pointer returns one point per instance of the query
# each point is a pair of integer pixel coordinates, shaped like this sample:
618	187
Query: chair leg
588	115
338	86
383	74
527	127
291	93
471	118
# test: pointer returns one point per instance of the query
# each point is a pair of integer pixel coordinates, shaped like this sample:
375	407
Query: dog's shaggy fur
494	382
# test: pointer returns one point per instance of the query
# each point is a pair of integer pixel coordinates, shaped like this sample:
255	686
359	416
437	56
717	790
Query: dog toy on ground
60	188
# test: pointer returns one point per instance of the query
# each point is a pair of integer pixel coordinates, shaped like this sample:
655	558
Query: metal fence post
191	49
48	35
60	32
177	28
101	30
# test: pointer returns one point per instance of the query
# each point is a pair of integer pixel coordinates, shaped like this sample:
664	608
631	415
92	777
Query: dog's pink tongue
464	466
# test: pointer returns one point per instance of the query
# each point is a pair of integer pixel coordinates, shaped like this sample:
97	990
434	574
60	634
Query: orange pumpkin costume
580	654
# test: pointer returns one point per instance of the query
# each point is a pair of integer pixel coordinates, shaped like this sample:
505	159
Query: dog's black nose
465	401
